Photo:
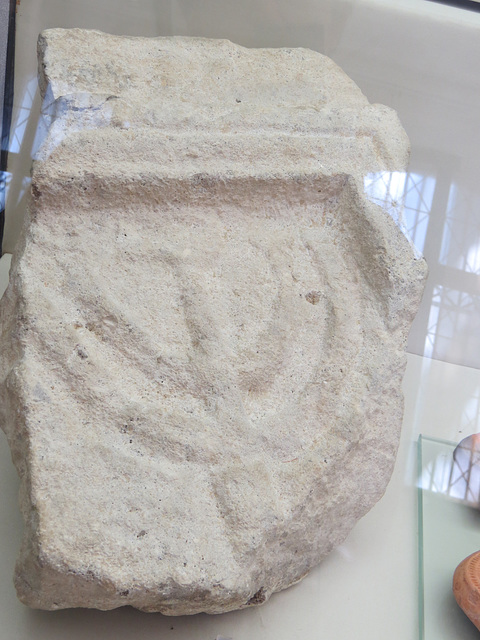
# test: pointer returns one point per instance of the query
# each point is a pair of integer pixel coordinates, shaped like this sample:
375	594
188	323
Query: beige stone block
203	338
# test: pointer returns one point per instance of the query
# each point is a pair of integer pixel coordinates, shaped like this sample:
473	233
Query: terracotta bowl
466	587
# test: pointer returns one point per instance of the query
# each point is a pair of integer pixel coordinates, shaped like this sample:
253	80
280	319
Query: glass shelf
449	531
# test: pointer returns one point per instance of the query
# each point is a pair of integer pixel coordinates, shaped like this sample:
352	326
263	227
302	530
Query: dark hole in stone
81	352
258	597
313	297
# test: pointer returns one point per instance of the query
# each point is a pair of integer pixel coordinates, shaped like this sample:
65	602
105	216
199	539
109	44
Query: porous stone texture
203	338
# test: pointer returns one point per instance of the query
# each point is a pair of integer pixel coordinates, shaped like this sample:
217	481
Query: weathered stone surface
203	338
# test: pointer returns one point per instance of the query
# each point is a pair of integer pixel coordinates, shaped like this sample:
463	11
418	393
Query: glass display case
417	57
448	533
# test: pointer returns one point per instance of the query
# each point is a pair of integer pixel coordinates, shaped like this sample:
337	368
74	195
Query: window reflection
5	179
454	315
436	474
464	482
407	197
440	217
461	234
45	120
21	115
30	123
456	476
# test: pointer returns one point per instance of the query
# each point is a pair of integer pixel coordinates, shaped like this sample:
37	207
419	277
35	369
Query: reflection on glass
453	315
407	197
456	475
5	179
45	120
461	232
29	127
436	474
21	114
465	476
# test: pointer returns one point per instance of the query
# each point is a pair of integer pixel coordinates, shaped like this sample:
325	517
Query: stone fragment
203	337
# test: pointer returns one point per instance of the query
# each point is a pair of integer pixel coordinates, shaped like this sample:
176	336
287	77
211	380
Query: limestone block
203	338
